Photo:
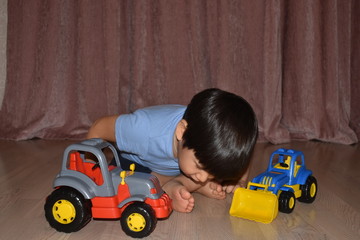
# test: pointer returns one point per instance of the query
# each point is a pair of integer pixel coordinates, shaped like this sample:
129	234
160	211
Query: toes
183	201
219	195
190	207
185	194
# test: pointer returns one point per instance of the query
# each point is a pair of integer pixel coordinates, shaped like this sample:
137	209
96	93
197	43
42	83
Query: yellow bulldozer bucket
257	205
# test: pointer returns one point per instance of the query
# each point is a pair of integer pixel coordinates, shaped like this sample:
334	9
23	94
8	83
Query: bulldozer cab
285	161
281	163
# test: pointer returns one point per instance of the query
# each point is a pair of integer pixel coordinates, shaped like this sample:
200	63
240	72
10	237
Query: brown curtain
71	62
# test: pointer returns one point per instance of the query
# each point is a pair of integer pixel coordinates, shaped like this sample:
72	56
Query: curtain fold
71	62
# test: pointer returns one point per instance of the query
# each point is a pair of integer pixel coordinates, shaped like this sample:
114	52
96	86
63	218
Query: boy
204	147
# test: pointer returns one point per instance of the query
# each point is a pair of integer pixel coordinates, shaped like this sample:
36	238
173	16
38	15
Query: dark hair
222	130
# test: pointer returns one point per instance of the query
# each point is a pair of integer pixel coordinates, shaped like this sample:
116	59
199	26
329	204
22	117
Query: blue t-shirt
147	137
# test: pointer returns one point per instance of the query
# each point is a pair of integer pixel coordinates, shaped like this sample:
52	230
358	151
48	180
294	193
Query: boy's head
221	129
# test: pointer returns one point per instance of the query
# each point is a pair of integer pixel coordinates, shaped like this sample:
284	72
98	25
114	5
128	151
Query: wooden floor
27	169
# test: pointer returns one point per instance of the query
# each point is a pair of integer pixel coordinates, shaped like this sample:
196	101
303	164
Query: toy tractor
86	189
277	189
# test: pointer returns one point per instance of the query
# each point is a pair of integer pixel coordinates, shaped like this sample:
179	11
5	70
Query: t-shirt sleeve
132	133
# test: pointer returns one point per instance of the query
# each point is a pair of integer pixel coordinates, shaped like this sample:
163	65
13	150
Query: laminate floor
27	169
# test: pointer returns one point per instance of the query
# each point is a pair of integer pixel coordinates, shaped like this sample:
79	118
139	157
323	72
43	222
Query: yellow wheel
138	220
64	211
313	190
291	203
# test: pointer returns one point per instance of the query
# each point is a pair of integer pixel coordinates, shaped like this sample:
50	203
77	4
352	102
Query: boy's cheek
183	171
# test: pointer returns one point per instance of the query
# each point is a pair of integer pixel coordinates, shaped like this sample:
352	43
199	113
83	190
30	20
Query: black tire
308	190
66	210
138	220
287	202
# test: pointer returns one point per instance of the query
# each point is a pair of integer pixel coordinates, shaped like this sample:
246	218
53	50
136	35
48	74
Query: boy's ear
180	129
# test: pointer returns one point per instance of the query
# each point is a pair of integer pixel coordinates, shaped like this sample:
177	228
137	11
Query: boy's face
188	163
191	167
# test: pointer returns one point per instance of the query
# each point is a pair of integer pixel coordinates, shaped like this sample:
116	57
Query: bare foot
212	190
182	199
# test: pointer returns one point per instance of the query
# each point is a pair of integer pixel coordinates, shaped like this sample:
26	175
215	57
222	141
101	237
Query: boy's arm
190	185
103	128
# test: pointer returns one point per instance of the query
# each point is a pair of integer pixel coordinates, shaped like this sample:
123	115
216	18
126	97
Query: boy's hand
230	188
244	179
212	190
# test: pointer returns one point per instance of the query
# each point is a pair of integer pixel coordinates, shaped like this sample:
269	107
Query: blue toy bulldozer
286	180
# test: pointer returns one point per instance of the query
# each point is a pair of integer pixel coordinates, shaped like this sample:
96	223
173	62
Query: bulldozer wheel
308	190
66	210
287	202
